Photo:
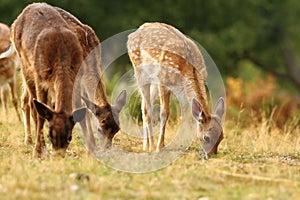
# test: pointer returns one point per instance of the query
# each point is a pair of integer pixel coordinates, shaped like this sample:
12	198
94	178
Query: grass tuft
255	161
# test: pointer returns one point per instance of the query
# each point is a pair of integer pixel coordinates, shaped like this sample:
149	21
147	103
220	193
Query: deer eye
206	138
103	121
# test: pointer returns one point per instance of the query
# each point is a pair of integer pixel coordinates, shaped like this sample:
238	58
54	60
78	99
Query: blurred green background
254	43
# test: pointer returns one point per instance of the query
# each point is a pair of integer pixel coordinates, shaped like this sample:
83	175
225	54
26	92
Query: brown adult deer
8	67
90	84
52	45
162	54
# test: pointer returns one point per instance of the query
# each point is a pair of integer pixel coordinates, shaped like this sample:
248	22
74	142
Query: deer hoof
28	141
37	153
40	153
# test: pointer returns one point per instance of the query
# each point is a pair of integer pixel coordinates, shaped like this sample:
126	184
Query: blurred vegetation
254	43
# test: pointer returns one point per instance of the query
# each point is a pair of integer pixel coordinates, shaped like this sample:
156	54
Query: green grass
257	162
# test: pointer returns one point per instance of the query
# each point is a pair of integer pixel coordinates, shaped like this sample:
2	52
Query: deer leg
4	100
91	138
32	112
148	143
14	98
40	146
26	113
164	115
88	133
85	124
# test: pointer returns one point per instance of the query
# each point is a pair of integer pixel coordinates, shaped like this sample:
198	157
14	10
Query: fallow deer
162	54
8	66
91	84
52	45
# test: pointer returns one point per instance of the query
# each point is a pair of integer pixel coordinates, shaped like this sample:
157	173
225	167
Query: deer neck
195	88
94	86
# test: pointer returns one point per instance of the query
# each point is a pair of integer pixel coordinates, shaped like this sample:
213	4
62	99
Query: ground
256	161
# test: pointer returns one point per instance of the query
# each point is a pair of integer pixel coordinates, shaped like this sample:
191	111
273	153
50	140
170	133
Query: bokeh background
254	43
256	46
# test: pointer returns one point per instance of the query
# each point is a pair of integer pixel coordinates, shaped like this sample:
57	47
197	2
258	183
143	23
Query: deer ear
219	109
90	105
43	110
97	110
196	110
121	101
78	115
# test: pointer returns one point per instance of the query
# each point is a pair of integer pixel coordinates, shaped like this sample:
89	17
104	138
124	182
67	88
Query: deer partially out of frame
52	45
8	67
161	53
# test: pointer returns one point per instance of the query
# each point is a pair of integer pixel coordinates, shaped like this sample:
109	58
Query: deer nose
206	138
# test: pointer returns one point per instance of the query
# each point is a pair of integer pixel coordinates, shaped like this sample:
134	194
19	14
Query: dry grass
257	162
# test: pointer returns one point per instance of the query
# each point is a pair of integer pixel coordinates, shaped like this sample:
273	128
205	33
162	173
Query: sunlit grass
257	162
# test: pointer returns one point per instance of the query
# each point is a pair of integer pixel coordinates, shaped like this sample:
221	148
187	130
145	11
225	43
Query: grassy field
255	162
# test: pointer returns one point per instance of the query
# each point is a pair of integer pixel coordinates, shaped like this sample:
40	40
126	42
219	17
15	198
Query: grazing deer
91	85
162	54
52	45
8	67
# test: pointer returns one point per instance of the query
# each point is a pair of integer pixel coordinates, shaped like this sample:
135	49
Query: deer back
48	48
166	55
7	64
159	39
4	37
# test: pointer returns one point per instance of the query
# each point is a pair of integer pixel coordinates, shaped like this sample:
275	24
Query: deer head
107	123
60	125
209	131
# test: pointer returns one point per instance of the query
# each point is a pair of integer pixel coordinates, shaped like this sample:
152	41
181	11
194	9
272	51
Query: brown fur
8	67
91	77
52	45
160	52
51	56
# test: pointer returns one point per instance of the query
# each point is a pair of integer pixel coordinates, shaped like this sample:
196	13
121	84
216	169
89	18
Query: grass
256	162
